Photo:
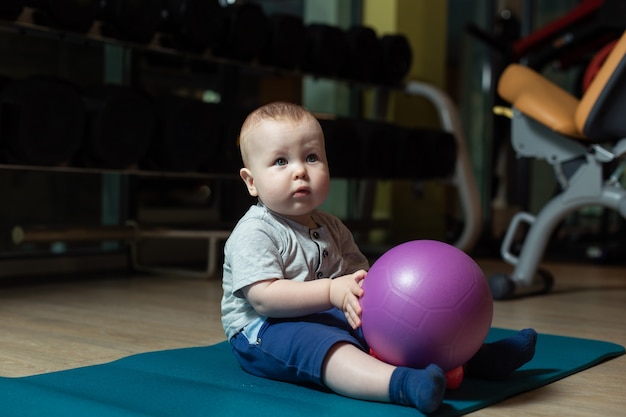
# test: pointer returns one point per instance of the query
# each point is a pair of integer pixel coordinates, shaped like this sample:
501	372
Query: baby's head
282	147
279	111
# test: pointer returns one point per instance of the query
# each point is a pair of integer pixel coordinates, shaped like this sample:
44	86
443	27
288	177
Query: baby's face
287	167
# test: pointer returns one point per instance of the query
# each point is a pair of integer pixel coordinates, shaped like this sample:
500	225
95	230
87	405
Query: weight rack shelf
25	25
122	171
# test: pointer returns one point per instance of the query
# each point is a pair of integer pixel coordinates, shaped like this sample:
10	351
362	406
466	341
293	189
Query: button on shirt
323	245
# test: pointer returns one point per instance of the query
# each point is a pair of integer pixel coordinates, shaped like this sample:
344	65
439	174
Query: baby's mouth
302	192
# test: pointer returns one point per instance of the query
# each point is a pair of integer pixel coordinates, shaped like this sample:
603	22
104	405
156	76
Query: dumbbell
397	58
326	50
365	56
230	156
285	46
378	145
191	25
42	121
188	134
244	33
134	21
424	153
343	147
121	123
72	15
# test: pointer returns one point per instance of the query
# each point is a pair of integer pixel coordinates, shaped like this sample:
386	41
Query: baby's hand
344	294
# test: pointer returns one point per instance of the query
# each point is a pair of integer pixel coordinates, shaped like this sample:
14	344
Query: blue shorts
293	350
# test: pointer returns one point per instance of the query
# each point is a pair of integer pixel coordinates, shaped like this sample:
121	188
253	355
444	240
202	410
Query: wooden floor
60	325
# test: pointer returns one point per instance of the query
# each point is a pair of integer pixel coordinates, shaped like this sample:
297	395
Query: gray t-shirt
264	245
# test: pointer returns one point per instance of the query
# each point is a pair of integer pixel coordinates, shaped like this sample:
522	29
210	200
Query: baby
292	278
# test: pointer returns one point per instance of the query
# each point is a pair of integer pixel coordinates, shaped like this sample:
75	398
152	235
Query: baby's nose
299	170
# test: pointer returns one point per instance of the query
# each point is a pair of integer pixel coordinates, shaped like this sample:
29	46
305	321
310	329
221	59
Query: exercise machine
580	138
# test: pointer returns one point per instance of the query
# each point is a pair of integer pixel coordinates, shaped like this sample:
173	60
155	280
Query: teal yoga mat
207	382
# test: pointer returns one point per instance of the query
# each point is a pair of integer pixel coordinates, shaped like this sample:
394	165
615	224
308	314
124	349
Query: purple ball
426	302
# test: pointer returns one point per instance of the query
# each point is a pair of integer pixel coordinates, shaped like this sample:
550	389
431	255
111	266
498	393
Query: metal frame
133	235
583	187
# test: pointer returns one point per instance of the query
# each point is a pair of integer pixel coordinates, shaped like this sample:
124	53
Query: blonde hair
279	110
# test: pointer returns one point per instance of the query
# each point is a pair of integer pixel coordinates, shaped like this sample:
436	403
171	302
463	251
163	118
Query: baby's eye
280	162
312	158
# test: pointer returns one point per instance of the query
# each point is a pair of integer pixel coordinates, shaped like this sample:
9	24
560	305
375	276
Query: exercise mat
207	381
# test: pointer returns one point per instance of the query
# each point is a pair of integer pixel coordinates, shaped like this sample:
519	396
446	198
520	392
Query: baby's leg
349	371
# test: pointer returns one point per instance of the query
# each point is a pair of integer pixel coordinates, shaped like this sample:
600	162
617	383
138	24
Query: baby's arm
287	298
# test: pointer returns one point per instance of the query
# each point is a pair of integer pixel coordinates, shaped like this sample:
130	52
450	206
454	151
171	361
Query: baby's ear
248	179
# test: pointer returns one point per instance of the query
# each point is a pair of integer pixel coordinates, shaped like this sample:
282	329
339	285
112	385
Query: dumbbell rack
463	177
25	24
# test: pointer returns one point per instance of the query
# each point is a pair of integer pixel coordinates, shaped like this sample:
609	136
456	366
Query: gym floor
70	323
